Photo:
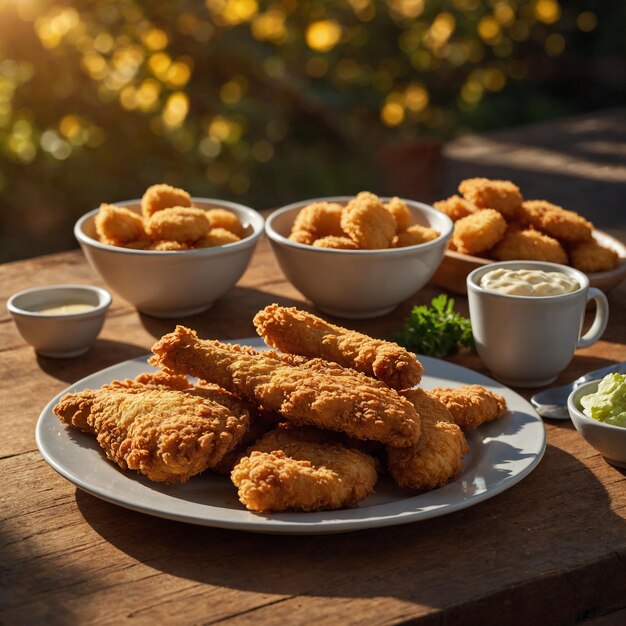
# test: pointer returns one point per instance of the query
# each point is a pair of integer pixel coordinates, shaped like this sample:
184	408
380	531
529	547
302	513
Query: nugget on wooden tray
299	332
119	226
456	207
436	458
401	214
501	195
163	196
303	469
367	222
184	224
590	256
529	244
471	405
414	235
479	231
564	225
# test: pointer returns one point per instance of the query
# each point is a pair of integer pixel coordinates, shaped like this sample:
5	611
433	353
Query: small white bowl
607	439
177	283
59	335
358	284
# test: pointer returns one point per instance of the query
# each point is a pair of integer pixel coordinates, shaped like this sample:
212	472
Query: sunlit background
269	102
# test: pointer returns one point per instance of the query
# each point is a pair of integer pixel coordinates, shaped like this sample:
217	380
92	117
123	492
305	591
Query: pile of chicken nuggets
492	220
168	222
307	426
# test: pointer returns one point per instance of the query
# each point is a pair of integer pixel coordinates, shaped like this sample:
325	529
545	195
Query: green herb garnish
436	330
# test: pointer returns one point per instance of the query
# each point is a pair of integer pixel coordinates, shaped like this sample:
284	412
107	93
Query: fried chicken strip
298	332
350	402
471	405
303	469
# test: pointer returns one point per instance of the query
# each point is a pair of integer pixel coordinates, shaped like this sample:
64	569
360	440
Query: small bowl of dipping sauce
60	321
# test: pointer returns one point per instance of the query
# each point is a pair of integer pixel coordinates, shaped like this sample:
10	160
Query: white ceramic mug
526	341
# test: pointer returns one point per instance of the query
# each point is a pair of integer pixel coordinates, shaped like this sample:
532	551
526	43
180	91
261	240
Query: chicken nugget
479	231
216	237
183	224
159	197
164	245
336	243
471	405
501	195
414	235
302	236
319	219
529	244
401	214
590	256
436	458
456	207
302	469
222	218
117	225
556	221
367	222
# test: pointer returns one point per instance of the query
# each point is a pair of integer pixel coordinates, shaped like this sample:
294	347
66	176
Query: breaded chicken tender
319	219
590	256
298	332
367	222
300	469
501	195
456	207
183	224
166	434
436	458
119	226
401	214
471	405
566	226
479	231
227	220
414	235
529	244
345	401
159	197
216	237
336	243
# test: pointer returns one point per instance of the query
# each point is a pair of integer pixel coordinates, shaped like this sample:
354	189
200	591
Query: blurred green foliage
266	102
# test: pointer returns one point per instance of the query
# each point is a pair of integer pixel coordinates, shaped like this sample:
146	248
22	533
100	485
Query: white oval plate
501	454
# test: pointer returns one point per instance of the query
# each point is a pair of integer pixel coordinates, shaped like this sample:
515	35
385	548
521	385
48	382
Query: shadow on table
513	537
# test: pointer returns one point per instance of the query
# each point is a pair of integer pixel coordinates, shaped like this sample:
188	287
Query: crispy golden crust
182	224
119	226
317	220
436	458
298	332
401	214
168	246
414	235
367	222
529	244
216	237
479	231
556	221
302	236
159	197
456	207
296	469
339	400
336	243
590	256
501	195
471	405
222	218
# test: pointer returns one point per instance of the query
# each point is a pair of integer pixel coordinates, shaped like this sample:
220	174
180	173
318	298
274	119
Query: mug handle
600	321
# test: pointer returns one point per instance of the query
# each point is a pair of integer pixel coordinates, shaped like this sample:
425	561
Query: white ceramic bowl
358	284
59	335
172	283
608	440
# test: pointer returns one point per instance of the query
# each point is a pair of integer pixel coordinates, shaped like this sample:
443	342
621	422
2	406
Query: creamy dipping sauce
534	283
65	308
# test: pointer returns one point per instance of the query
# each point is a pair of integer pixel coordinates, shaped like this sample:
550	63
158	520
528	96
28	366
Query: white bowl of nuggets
309	428
169	254
358	257
493	221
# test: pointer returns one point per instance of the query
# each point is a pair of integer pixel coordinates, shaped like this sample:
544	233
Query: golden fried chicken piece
299	332
529	244
302	236
164	245
159	197
479	231
556	221
590	256
501	195
367	222
317	220
117	225
216	237
166	434
471	405
335	243
436	458
456	207
401	214
302	469
222	218
348	402
414	235
183	224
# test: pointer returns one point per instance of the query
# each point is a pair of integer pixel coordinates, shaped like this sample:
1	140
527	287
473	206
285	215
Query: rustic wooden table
550	550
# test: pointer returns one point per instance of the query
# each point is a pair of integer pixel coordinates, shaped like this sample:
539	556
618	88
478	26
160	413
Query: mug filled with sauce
527	318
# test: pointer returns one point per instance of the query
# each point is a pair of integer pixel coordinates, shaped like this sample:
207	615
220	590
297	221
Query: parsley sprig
436	330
